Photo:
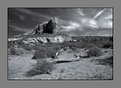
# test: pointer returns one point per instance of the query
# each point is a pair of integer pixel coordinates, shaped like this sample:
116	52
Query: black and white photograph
60	43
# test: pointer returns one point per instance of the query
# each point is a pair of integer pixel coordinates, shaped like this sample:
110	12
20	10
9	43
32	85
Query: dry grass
41	67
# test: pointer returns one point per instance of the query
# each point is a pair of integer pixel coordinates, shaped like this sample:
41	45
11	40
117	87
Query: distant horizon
9	37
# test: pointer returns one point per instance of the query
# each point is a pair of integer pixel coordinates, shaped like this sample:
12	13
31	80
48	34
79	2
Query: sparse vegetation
94	52
86	47
106	61
40	53
45	52
108	45
13	51
41	67
17	51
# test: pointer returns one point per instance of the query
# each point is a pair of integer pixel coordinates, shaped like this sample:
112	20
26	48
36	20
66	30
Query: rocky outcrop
55	39
49	27
46	32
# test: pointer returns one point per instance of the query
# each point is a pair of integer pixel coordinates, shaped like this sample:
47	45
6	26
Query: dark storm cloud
75	21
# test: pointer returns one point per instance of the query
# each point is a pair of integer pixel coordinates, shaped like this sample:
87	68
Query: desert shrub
111	39
16	51
40	53
41	67
13	51
51	52
79	44
108	45
94	52
45	52
88	45
27	47
10	44
106	61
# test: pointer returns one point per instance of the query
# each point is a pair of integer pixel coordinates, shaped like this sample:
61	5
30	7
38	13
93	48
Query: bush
51	52
41	67
45	52
27	47
13	51
17	51
94	52
40	53
108	45
106	61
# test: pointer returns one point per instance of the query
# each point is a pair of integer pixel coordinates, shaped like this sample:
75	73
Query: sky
73	21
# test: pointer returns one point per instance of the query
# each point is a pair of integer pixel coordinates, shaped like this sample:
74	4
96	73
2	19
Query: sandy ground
83	69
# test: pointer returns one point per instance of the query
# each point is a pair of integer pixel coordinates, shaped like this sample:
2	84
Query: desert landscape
46	53
75	60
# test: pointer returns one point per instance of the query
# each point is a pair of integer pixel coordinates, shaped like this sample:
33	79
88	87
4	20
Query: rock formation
46	32
49	27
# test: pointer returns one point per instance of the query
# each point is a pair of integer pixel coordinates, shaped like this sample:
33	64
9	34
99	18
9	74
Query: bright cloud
80	12
106	24
71	26
109	17
87	22
99	13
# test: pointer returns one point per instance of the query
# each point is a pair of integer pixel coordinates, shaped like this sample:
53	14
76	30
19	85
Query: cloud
22	17
71	26
106	21
106	24
109	17
90	23
13	27
27	11
99	13
80	12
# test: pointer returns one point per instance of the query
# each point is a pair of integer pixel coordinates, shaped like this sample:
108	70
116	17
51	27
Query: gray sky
74	21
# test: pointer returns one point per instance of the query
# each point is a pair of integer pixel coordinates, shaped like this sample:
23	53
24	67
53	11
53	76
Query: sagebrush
41	67
45	52
94	52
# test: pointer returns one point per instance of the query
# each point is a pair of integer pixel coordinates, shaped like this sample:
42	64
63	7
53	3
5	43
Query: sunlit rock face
55	39
31	41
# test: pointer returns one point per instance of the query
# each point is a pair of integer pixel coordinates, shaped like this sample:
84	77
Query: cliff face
50	27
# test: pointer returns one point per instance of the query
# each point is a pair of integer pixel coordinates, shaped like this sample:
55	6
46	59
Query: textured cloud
22	17
71	26
109	17
13	27
80	12
89	23
99	13
29	12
